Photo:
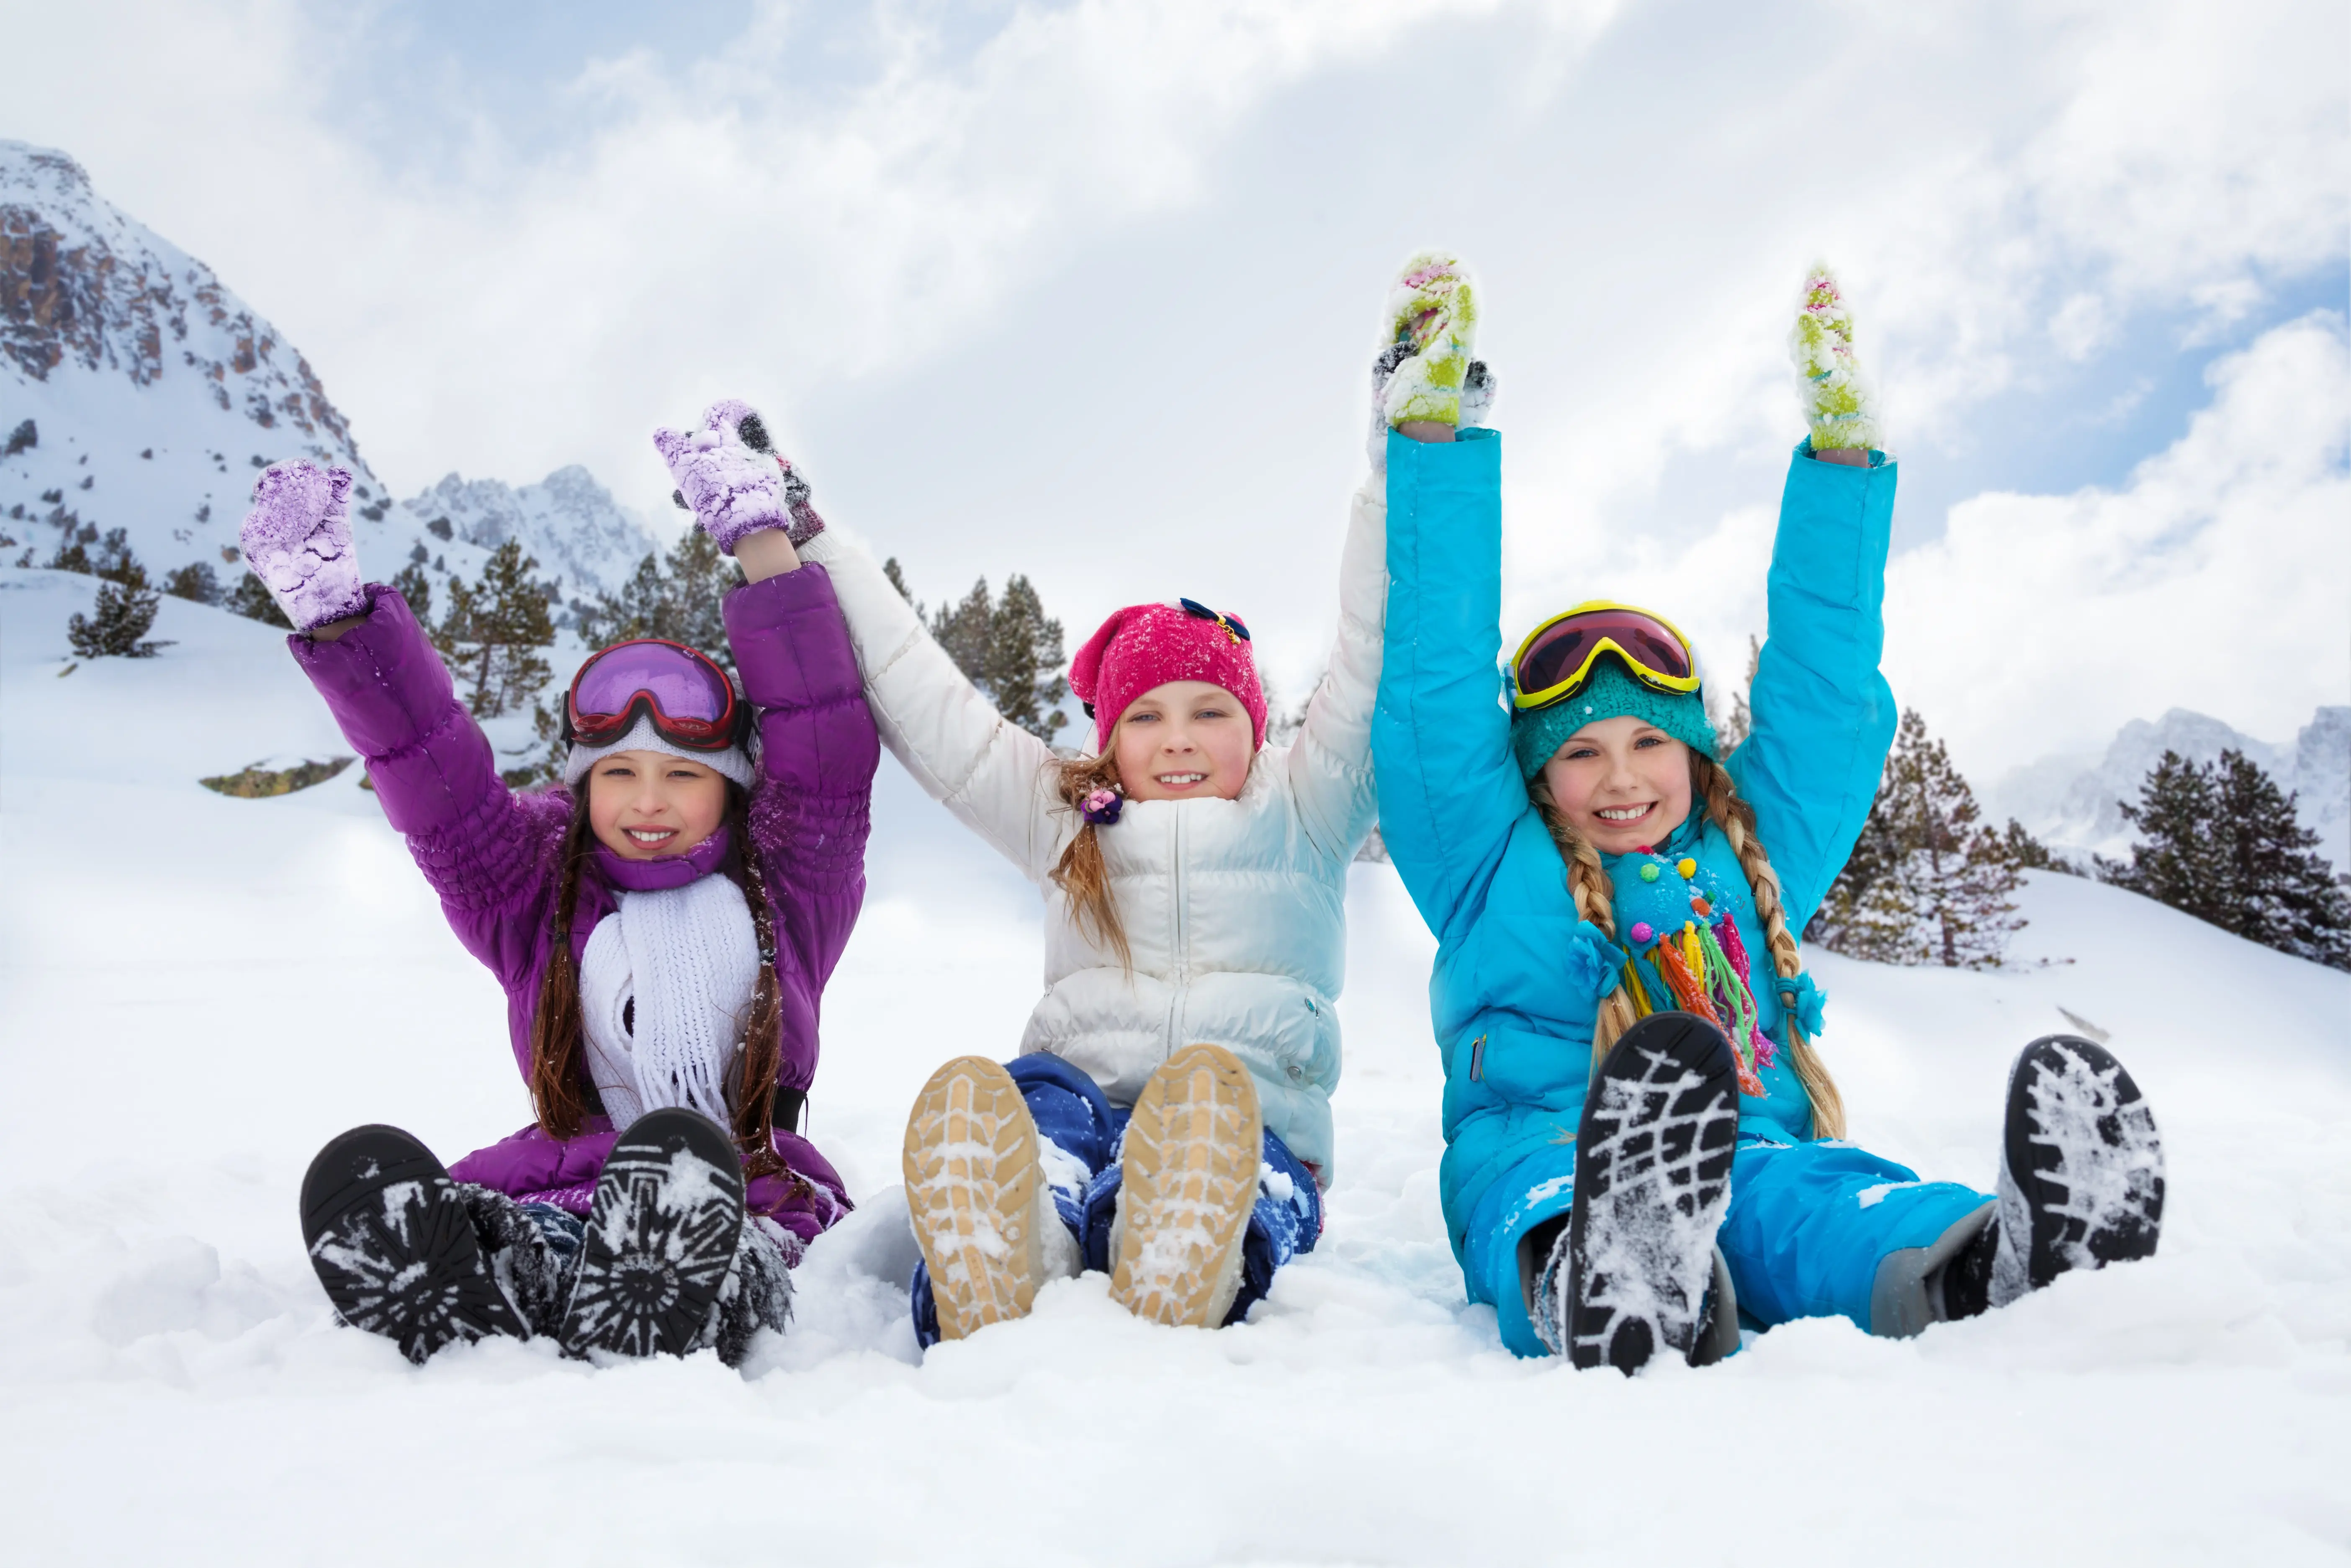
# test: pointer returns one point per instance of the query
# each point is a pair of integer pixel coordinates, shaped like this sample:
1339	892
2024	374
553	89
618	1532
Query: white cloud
2219	578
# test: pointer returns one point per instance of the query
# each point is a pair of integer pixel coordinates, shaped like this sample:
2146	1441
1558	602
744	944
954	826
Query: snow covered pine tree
1927	882
493	631
2221	842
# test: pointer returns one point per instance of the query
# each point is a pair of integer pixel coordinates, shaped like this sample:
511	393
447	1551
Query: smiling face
1623	784
648	805
1186	740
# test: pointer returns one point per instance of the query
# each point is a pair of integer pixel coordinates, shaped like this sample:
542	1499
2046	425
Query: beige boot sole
972	1185
1193	1149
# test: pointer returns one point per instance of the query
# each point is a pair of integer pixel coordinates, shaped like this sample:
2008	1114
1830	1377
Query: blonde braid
1587	884
1736	819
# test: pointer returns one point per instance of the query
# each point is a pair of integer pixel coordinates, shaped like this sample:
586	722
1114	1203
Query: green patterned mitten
1433	314
1837	402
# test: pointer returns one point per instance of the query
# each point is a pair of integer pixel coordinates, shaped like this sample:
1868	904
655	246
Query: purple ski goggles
689	698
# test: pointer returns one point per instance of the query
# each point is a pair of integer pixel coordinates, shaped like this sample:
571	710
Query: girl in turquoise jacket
1644	1148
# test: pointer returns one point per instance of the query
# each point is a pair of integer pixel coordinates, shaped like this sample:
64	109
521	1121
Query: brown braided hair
1081	872
1587	883
559	1075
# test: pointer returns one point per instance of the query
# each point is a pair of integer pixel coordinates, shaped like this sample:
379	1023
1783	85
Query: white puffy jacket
1235	910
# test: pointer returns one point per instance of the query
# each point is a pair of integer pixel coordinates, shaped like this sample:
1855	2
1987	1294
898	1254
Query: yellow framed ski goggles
1555	661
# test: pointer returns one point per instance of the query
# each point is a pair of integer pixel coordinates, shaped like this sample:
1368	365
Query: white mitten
298	540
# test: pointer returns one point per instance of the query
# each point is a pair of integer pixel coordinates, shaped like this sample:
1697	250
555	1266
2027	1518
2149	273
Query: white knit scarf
689	959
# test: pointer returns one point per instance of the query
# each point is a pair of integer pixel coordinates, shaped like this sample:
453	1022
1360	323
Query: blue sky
1085	290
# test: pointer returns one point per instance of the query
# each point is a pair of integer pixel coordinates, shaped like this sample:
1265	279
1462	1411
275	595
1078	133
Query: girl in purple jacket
663	927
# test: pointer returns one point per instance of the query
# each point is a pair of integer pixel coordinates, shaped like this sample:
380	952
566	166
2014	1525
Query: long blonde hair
1587	883
1081	872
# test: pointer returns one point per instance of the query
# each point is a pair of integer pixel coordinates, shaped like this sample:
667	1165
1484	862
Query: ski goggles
1555	661
688	697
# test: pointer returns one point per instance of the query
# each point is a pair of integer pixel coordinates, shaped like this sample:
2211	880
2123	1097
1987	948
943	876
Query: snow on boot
1188	1181
2080	1174
661	1238
975	1191
1839	406
1652	1184
390	1237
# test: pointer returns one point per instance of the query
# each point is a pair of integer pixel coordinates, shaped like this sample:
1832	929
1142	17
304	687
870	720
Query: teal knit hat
1611	693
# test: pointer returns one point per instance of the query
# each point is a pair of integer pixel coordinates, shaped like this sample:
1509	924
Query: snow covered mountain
138	392
2071	802
584	540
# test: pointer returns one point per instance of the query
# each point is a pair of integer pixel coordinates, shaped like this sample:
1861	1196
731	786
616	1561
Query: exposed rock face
138	392
82	284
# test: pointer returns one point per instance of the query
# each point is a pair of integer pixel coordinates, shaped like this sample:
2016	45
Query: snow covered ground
199	990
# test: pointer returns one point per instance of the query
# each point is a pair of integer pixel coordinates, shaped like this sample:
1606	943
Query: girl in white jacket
1168	1116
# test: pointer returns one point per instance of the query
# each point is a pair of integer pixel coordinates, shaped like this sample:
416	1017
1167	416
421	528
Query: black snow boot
1652	1184
389	1234
661	1239
2080	1178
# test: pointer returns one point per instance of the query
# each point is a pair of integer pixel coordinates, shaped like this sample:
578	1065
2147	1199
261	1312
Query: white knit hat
732	763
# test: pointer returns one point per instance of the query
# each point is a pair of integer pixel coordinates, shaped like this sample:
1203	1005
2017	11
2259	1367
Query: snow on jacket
1518	976
1235	910
492	854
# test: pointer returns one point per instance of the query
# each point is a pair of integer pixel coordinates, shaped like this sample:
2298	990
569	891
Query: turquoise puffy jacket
1518	976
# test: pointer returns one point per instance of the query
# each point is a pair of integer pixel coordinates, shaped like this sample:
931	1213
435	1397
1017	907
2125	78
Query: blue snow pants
1808	1225
1085	1131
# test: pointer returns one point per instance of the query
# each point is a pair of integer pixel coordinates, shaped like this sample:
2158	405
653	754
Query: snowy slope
200	990
2071	802
148	395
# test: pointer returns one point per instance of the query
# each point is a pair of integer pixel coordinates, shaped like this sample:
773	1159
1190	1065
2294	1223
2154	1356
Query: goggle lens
689	698
1561	647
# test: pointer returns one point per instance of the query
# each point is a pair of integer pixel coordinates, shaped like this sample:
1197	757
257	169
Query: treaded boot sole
973	1179
1652	1184
1190	1177
2081	1167
390	1237
661	1237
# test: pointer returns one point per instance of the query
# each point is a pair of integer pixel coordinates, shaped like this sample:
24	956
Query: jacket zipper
1180	959
1477	1060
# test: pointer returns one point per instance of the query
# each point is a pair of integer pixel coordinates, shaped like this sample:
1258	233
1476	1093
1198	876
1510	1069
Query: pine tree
492	632
115	563
1008	648
964	631
1927	884
1024	661
2223	842
889	569
2286	893
2030	854
680	597
250	597
116	624
195	581
2180	858
417	588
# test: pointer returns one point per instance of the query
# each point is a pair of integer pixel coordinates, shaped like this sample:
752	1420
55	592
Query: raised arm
1330	763
1823	714
488	853
995	775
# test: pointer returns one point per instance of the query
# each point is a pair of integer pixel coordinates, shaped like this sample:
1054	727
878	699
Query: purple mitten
298	540
729	473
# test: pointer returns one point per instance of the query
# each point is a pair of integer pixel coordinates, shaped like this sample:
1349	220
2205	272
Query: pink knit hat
1147	646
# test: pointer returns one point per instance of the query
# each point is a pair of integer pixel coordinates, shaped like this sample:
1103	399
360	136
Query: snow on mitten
1403	373
1433	308
298	540
728	475
1838	404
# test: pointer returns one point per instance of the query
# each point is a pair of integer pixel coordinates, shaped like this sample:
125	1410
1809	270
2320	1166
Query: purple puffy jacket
491	854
